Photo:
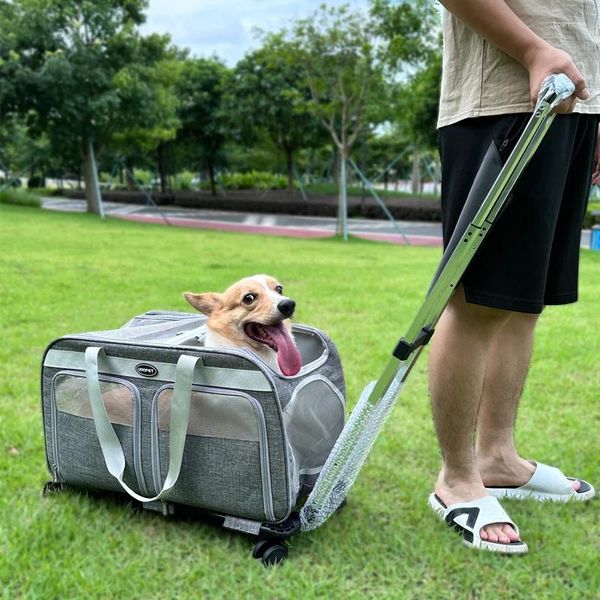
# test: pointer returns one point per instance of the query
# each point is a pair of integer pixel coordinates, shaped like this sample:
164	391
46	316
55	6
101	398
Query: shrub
253	180
185	181
20	198
143	177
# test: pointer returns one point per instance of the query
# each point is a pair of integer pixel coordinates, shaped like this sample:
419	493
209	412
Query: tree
270	92
412	34
205	121
147	92
74	75
339	55
418	109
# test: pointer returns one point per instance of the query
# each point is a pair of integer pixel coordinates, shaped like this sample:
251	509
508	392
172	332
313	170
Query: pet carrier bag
148	410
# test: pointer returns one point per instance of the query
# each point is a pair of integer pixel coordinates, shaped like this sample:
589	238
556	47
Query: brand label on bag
146	370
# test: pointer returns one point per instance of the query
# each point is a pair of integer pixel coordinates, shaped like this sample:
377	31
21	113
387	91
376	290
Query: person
496	55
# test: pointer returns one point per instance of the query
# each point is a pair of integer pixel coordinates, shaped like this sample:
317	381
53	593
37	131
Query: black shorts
530	257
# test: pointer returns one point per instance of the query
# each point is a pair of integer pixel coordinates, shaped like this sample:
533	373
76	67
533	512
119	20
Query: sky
225	27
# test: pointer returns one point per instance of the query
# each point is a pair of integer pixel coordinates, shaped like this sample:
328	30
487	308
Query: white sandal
546	484
467	519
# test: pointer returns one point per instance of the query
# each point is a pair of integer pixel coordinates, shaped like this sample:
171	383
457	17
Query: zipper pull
55	473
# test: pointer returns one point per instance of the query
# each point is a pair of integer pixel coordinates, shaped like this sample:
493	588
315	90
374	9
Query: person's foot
455	491
508	472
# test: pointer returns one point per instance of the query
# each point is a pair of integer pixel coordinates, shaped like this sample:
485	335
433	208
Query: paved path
412	232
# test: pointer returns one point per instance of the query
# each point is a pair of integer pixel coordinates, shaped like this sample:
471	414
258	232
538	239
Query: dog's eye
248	298
279	289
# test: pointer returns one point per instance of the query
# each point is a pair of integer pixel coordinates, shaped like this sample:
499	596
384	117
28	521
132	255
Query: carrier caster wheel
51	487
270	552
274	554
260	547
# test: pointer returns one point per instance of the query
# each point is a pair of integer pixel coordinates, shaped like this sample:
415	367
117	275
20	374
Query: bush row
280	202
186	181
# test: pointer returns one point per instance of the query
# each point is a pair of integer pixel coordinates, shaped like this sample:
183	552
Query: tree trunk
129	176
363	168
416	174
162	167
436	177
211	179
335	166
342	220
289	153
90	176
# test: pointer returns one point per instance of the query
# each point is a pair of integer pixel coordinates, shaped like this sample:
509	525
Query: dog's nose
286	307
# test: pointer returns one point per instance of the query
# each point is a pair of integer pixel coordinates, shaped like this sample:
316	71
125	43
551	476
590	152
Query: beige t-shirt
479	80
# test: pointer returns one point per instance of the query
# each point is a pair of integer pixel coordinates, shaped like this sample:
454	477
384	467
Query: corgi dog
252	313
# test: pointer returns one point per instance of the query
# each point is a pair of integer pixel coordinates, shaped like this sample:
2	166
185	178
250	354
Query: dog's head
253	312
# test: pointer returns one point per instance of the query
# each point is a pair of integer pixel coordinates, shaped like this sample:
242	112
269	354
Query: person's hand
546	60
596	173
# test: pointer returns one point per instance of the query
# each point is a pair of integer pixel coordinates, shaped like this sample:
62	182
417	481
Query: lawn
66	273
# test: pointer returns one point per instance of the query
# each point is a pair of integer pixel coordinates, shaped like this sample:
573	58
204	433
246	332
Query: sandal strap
549	480
470	517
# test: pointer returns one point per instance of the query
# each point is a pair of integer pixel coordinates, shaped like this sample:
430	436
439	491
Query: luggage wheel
270	552
51	487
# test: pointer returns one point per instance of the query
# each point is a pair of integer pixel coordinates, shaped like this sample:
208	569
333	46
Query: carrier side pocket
78	458
226	460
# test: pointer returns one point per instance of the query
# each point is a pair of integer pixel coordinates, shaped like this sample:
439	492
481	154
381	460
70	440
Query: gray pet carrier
147	409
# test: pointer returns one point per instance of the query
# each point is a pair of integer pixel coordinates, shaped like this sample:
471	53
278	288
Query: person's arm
498	24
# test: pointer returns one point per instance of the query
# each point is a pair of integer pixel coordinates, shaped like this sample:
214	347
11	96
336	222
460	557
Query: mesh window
70	392
313	420
214	415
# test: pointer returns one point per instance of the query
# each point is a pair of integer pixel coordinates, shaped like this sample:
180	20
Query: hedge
280	202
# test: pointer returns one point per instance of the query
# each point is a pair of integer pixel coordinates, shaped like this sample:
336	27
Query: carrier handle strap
180	414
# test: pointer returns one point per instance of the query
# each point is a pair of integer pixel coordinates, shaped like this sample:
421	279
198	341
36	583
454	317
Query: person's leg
457	365
508	363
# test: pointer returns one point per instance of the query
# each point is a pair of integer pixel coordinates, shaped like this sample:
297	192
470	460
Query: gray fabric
80	455
218	474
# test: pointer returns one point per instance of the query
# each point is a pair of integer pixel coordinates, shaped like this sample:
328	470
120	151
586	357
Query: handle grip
555	88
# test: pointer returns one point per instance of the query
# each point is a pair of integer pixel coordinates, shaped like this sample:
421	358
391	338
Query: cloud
226	27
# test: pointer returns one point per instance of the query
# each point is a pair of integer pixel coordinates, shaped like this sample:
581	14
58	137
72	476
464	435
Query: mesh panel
72	397
347	457
310	346
214	415
313	419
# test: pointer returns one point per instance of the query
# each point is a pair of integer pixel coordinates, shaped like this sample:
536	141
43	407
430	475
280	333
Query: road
404	232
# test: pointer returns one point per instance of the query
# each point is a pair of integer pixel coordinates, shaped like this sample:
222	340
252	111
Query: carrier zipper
263	444
55	473
264	460
54	468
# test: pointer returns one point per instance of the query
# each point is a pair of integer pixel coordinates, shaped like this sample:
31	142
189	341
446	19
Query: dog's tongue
288	357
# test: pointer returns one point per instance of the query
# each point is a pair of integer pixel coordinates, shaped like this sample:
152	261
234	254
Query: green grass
65	273
19	198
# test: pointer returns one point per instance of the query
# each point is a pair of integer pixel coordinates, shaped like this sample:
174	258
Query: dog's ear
205	303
